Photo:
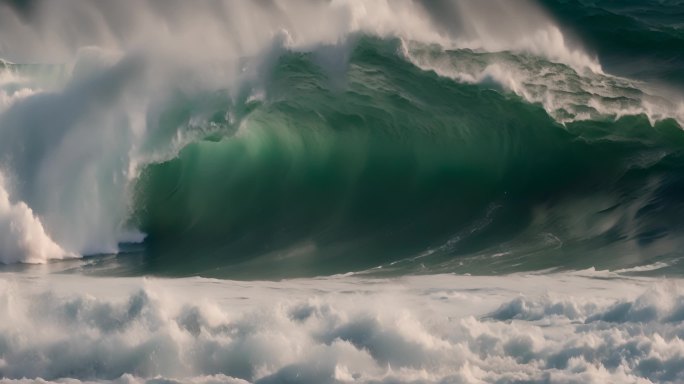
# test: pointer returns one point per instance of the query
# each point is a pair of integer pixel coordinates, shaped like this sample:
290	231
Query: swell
406	170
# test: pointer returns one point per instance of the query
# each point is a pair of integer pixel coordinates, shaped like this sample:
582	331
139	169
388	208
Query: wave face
402	137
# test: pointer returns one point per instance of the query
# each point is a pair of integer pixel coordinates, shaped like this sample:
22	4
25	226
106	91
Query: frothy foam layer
427	329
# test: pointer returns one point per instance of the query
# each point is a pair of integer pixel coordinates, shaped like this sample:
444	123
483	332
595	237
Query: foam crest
566	93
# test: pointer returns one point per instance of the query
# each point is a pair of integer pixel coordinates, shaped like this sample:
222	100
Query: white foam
22	235
645	268
557	328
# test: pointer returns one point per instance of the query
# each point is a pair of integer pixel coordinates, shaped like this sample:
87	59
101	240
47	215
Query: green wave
398	168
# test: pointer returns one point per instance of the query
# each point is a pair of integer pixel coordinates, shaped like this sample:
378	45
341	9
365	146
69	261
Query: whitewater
590	327
439	191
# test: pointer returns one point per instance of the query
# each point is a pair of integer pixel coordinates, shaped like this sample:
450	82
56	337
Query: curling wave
403	137
406	165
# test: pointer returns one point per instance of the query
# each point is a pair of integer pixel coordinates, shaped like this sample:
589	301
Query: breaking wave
401	137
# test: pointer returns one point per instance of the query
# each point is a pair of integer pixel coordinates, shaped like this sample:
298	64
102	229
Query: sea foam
434	329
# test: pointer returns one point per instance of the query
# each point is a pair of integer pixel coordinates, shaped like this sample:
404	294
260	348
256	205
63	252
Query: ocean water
345	191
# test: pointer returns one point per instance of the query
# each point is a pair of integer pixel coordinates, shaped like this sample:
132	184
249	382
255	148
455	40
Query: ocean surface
344	191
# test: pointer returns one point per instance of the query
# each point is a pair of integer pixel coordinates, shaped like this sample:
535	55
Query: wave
318	179
403	136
